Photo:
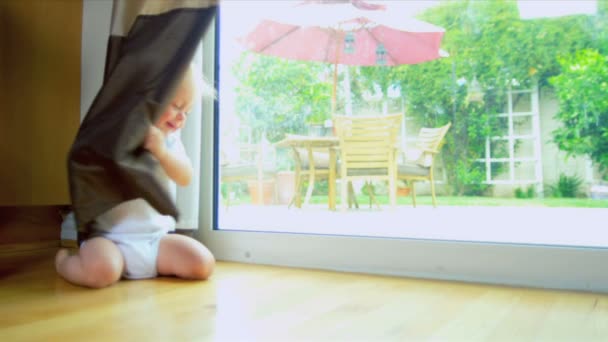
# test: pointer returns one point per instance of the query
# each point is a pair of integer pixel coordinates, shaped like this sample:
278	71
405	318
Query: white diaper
136	228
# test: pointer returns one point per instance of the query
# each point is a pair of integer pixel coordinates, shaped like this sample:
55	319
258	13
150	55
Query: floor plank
254	302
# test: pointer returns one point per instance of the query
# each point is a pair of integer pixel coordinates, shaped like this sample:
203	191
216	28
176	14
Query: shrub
528	193
566	186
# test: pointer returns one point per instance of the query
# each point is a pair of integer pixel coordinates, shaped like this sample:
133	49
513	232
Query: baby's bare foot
60	257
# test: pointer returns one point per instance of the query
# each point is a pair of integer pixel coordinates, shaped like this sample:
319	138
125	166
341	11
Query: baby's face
175	115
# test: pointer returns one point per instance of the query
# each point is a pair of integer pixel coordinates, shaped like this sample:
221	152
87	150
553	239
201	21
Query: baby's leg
184	257
98	263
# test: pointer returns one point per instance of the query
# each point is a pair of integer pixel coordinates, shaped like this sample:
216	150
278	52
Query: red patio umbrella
349	32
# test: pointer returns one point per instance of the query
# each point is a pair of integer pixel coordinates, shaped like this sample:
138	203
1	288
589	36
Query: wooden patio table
309	143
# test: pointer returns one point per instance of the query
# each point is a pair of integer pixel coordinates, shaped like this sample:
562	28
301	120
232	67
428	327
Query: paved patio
527	225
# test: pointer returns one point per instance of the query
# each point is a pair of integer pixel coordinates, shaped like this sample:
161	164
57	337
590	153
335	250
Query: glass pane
522	125
499	148
279	127
525	171
500	171
501	126
524	148
522	102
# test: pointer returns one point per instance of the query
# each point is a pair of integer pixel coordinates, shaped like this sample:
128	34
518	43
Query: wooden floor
249	302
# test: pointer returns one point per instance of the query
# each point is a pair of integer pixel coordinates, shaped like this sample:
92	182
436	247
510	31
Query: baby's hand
155	142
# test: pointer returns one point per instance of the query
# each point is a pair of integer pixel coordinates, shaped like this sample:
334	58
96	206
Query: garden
494	55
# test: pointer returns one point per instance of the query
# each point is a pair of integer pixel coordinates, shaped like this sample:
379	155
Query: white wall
555	161
96	18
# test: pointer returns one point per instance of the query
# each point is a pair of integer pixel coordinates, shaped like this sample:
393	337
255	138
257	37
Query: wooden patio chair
367	149
321	160
419	162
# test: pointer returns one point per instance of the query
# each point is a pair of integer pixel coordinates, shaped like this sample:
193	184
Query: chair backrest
428	143
368	143
432	139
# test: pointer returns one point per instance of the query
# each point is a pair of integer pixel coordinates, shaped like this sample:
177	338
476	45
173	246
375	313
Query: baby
131	240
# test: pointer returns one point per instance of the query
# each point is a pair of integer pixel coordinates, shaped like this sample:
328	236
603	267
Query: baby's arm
175	162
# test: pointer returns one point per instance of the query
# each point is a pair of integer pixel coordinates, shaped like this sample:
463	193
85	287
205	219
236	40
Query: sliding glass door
518	190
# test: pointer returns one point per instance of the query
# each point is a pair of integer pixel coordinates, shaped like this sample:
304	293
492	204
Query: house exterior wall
556	162
553	161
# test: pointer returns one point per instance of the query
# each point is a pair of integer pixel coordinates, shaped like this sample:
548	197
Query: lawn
550	202
483	201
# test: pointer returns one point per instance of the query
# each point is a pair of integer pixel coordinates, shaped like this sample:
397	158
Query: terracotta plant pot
267	197
403	191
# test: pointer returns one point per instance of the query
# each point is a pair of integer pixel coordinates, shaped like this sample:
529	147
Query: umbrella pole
334	89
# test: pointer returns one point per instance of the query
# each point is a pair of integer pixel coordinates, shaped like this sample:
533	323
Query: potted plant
266	196
403	189
319	124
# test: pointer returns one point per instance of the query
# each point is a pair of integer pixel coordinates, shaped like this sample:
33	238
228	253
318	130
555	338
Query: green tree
485	39
488	41
582	89
278	96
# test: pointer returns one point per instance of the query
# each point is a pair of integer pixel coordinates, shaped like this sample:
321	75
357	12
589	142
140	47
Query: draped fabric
152	42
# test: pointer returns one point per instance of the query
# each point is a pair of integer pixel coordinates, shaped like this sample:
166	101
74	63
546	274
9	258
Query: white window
514	156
